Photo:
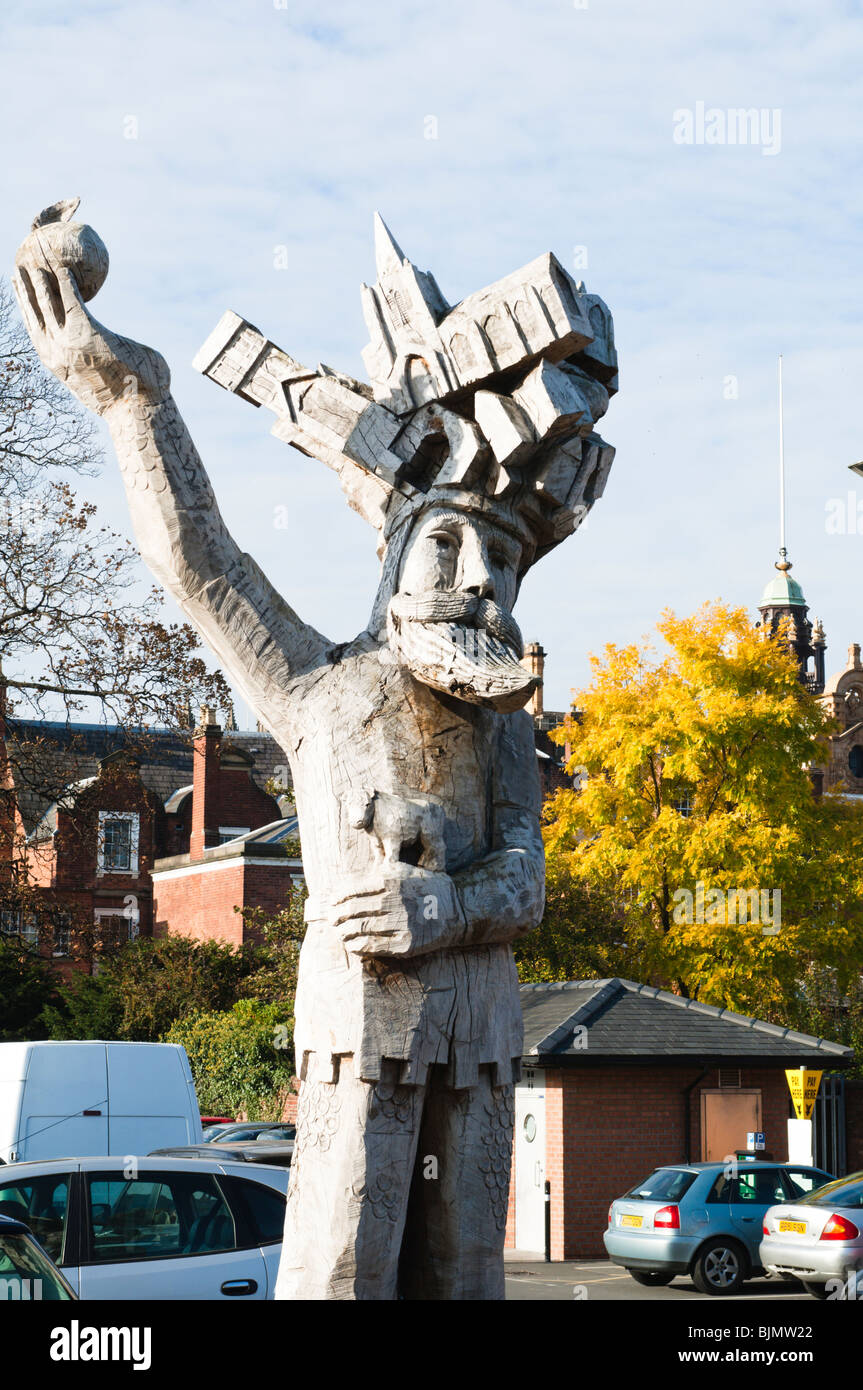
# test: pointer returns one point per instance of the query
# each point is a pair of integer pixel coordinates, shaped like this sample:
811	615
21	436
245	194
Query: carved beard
467	646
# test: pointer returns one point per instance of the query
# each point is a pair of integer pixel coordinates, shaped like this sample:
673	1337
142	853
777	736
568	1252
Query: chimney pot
534	662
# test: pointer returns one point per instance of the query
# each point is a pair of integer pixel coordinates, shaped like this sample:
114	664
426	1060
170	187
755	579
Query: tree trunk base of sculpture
398	1191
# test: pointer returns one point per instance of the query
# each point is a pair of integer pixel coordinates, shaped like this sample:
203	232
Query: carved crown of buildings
490	404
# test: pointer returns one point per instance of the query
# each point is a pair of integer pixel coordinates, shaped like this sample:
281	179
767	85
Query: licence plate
799	1227
632	1220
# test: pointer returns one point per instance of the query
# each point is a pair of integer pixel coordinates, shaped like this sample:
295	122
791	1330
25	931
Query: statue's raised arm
178	526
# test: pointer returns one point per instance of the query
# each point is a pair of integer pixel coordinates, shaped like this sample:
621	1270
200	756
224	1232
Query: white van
75	1099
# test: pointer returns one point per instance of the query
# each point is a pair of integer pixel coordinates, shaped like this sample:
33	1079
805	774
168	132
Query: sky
231	155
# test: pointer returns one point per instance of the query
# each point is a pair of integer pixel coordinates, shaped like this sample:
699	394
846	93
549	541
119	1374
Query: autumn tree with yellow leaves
695	812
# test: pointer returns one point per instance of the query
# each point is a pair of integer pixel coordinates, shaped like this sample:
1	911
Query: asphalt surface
601	1281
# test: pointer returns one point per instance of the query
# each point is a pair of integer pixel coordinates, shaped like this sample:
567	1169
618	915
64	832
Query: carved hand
405	912
98	366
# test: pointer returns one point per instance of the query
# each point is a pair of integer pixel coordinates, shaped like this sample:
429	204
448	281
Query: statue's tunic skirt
458	1008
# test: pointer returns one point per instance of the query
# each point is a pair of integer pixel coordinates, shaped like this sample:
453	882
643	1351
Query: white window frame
133	919
23	924
62	934
134	820
232	832
11	921
30	929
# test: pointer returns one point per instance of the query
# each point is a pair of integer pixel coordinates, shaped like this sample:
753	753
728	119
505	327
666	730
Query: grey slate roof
271	841
629	1024
166	756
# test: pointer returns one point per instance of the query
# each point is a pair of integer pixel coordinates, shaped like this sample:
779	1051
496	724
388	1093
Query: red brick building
240	850
620	1078
217	840
93	851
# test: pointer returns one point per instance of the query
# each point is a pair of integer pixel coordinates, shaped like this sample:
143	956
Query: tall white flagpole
781	469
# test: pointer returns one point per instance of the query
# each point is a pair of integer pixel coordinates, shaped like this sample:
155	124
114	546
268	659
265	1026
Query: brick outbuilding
621	1077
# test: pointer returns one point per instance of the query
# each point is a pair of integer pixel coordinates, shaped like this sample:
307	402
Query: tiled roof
616	1021
47	824
276	833
274	841
166	755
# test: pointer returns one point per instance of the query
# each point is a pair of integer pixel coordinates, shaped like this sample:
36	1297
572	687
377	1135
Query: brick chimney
206	763
534	662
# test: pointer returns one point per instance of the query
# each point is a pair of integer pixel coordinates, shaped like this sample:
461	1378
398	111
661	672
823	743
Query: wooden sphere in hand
81	250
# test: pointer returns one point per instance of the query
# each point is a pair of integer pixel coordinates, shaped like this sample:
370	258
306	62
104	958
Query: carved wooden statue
472	454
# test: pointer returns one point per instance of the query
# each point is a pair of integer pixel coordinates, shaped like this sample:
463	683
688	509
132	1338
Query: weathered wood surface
472	453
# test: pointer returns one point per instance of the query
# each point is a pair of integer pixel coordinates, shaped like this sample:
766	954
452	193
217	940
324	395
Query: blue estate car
702	1219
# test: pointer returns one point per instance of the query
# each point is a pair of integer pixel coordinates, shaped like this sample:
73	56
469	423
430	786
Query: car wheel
652	1278
818	1291
719	1268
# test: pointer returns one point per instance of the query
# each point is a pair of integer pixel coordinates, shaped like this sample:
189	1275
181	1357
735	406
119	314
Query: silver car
160	1228
701	1219
819	1239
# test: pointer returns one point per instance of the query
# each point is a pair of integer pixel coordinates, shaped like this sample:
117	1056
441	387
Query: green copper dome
783	591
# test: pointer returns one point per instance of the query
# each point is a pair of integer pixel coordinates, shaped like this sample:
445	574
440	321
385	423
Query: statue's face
449	621
451	549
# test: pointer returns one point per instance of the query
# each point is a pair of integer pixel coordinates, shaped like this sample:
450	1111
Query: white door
530	1162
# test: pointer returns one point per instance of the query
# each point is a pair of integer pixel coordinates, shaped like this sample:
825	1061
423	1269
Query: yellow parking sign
803	1086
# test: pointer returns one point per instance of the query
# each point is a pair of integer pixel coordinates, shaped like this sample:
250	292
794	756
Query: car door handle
238	1288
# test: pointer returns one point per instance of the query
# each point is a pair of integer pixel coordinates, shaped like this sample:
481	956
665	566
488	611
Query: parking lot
601	1281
